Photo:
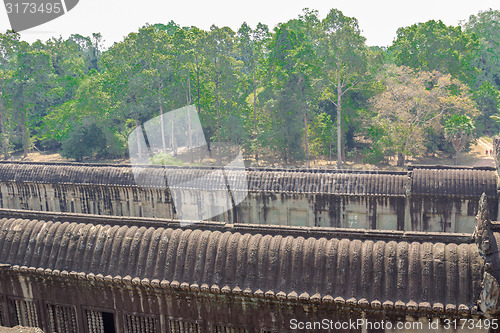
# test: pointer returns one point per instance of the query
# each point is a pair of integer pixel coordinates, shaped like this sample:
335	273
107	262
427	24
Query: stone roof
420	180
454	181
390	270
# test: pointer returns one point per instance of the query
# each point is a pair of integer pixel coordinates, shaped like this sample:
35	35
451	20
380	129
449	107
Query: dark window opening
100	322
2	323
108	321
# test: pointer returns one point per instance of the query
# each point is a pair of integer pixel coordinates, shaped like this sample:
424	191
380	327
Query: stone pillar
496	152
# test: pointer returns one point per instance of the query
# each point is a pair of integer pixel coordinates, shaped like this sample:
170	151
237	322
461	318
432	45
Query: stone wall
439	199
106	277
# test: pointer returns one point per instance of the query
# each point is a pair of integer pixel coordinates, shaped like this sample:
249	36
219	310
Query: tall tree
33	83
220	62
8	45
344	56
251	50
290	82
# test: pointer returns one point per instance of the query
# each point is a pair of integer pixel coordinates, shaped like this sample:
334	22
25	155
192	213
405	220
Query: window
229	329
62	319
25	313
184	326
100	322
141	323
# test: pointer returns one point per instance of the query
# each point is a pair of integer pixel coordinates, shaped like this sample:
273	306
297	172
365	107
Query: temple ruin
426	198
84	249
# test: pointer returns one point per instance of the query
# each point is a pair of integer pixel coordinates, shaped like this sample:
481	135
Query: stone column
496	152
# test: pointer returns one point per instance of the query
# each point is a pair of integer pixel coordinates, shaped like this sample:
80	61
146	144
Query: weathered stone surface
496	152
487	238
490	294
227	275
20	329
81	270
443	199
379	267
482	232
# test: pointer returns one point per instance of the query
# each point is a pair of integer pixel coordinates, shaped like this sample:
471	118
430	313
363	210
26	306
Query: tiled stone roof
454	181
448	181
415	273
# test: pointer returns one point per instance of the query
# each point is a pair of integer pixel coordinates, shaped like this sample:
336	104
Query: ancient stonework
432	198
72	272
249	276
487	242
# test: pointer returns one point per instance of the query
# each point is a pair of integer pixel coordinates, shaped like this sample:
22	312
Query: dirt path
485	149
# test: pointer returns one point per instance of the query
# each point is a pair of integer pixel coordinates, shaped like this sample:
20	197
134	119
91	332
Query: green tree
251	45
323	134
487	98
434	46
84	140
221	65
292	61
32	90
8	45
458	130
413	102
486	25
344	56
90	49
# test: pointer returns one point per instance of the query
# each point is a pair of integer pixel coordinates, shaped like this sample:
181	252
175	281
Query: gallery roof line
392	274
253	229
290	169
468	182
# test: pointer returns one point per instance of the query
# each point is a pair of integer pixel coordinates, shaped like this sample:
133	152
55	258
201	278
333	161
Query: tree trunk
218	114
188	102
330	154
307	140
198	86
174	147
401	159
24	134
5	142
456	157
339	118
255	116
162	124
138	135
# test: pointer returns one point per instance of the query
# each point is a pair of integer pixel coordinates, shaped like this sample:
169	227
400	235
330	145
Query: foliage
487	98
344	55
85	140
323	134
486	25
434	46
413	102
458	130
308	88
166	159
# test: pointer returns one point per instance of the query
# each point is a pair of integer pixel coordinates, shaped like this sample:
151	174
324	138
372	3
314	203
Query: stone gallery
84	249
